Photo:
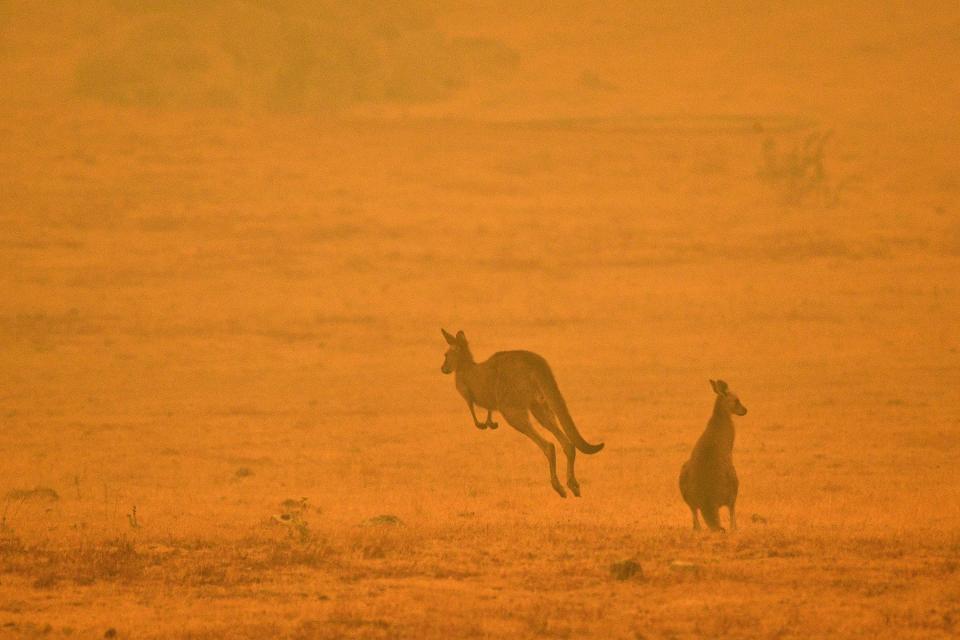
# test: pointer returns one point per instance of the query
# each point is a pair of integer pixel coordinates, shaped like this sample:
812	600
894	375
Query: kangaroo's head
727	400
457	354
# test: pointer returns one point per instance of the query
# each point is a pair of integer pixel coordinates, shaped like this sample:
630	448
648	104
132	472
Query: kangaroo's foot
480	425
574	486
559	488
491	425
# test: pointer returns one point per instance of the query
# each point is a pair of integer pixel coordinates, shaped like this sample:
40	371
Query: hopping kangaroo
518	383
708	480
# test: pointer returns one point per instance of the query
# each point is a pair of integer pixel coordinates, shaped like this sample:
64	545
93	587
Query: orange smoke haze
232	230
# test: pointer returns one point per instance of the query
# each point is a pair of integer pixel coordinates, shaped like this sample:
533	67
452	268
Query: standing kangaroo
517	383
708	480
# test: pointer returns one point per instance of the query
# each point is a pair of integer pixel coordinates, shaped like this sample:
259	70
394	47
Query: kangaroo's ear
449	338
719	387
461	337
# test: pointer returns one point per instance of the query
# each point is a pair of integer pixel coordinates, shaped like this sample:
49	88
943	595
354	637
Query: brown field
221	409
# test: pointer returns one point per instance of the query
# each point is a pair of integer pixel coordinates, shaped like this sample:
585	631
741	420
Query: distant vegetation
323	55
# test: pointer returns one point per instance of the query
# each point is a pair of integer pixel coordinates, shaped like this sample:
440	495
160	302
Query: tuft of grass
797	173
290	505
543	621
37	493
292	517
314	552
114	560
111	560
46	581
208	573
132	518
387	520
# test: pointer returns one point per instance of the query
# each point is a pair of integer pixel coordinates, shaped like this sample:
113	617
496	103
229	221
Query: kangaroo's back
513	376
516	365
526	381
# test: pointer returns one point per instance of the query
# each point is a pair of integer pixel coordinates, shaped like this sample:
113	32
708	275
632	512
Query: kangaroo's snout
448	365
449	362
739	409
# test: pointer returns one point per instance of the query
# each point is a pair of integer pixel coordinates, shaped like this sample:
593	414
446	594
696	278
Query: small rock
244	472
626	569
110	633
759	519
286	519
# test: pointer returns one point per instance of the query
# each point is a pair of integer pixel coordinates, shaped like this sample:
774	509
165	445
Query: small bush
798	173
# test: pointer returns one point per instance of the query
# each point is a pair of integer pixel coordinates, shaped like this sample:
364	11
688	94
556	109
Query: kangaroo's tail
548	385
711	515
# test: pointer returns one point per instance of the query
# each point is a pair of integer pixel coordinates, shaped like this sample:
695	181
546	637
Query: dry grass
755	583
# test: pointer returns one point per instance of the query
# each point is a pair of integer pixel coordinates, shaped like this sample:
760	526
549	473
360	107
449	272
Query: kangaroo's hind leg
734	490
519	419
687	491
545	416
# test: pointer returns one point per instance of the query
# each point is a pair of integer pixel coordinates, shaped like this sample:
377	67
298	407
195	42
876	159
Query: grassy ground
221	404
